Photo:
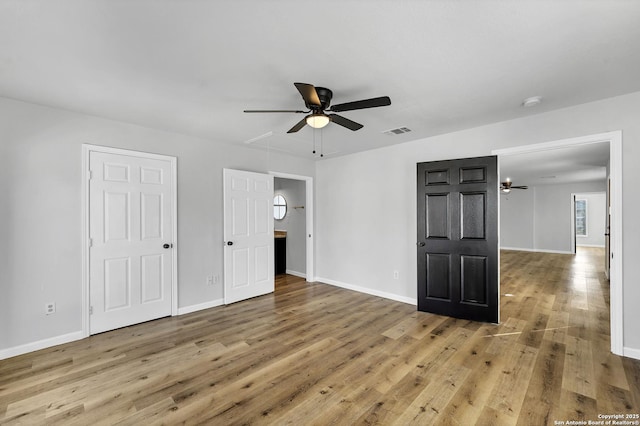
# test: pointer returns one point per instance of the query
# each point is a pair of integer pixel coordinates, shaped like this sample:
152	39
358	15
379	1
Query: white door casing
614	138
248	235
131	238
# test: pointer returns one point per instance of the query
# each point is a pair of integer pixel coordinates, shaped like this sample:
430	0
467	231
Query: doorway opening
297	223
588	220
614	185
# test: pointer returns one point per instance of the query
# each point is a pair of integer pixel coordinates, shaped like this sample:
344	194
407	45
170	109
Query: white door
130	227
248	235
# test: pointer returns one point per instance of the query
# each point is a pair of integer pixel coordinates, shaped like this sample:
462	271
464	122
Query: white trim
41	344
86	151
535	250
631	353
84	243
499	207
590	245
310	225
561	143
615	158
616	279
200	306
296	273
366	290
572	208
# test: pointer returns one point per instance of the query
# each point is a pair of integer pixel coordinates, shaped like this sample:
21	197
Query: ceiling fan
507	186
318	100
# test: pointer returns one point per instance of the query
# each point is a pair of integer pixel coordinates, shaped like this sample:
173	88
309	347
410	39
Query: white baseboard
296	273
200	306
591	245
78	335
41	344
631	353
391	296
536	250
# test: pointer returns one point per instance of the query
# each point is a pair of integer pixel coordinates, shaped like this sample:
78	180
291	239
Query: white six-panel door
248	235
130	230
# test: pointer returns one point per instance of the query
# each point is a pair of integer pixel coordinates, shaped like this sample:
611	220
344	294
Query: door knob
229	243
420	244
166	246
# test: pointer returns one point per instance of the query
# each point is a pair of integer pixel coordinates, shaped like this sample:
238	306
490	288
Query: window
279	207
581	218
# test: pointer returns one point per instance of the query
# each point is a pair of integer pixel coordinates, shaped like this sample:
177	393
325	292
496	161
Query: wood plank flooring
314	354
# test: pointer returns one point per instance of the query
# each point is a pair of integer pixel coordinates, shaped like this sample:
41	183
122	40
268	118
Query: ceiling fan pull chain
321	144
314	141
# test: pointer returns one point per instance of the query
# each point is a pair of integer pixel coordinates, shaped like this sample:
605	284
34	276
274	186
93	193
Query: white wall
553	214
596	218
365	214
366	202
516	219
294	222
40	212
539	218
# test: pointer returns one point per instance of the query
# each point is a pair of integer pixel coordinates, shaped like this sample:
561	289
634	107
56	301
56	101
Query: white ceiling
563	165
193	66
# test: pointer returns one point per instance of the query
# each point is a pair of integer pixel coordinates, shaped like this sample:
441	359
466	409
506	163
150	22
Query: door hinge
89	175
90	242
90	310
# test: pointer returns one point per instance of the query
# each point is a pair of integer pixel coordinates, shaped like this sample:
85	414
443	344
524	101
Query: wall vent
398	131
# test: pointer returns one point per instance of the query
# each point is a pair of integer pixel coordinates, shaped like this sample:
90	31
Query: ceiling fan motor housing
325	96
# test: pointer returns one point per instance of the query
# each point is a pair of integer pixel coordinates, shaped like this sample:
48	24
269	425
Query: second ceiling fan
507	186
318	101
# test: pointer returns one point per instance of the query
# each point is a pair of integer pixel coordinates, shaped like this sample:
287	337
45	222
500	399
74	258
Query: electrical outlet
396	275
50	308
210	280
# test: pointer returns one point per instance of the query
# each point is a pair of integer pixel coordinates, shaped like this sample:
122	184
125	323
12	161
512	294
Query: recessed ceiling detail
580	163
257	138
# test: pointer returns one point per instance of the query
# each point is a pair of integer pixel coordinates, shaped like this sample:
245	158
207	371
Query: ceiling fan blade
299	125
345	122
276	110
309	94
519	187
366	103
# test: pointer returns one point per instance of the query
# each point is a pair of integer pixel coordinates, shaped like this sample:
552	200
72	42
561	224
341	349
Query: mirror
279	207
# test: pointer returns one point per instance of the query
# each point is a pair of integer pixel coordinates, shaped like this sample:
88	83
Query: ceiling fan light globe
317	121
506	190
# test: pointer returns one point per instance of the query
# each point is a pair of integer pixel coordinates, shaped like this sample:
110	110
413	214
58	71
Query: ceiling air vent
398	131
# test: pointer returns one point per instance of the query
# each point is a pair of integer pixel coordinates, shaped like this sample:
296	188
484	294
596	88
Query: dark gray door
458	238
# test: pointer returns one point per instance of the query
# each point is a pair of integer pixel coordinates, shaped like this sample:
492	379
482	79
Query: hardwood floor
318	354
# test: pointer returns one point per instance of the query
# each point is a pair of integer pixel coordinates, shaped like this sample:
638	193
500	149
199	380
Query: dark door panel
458	238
